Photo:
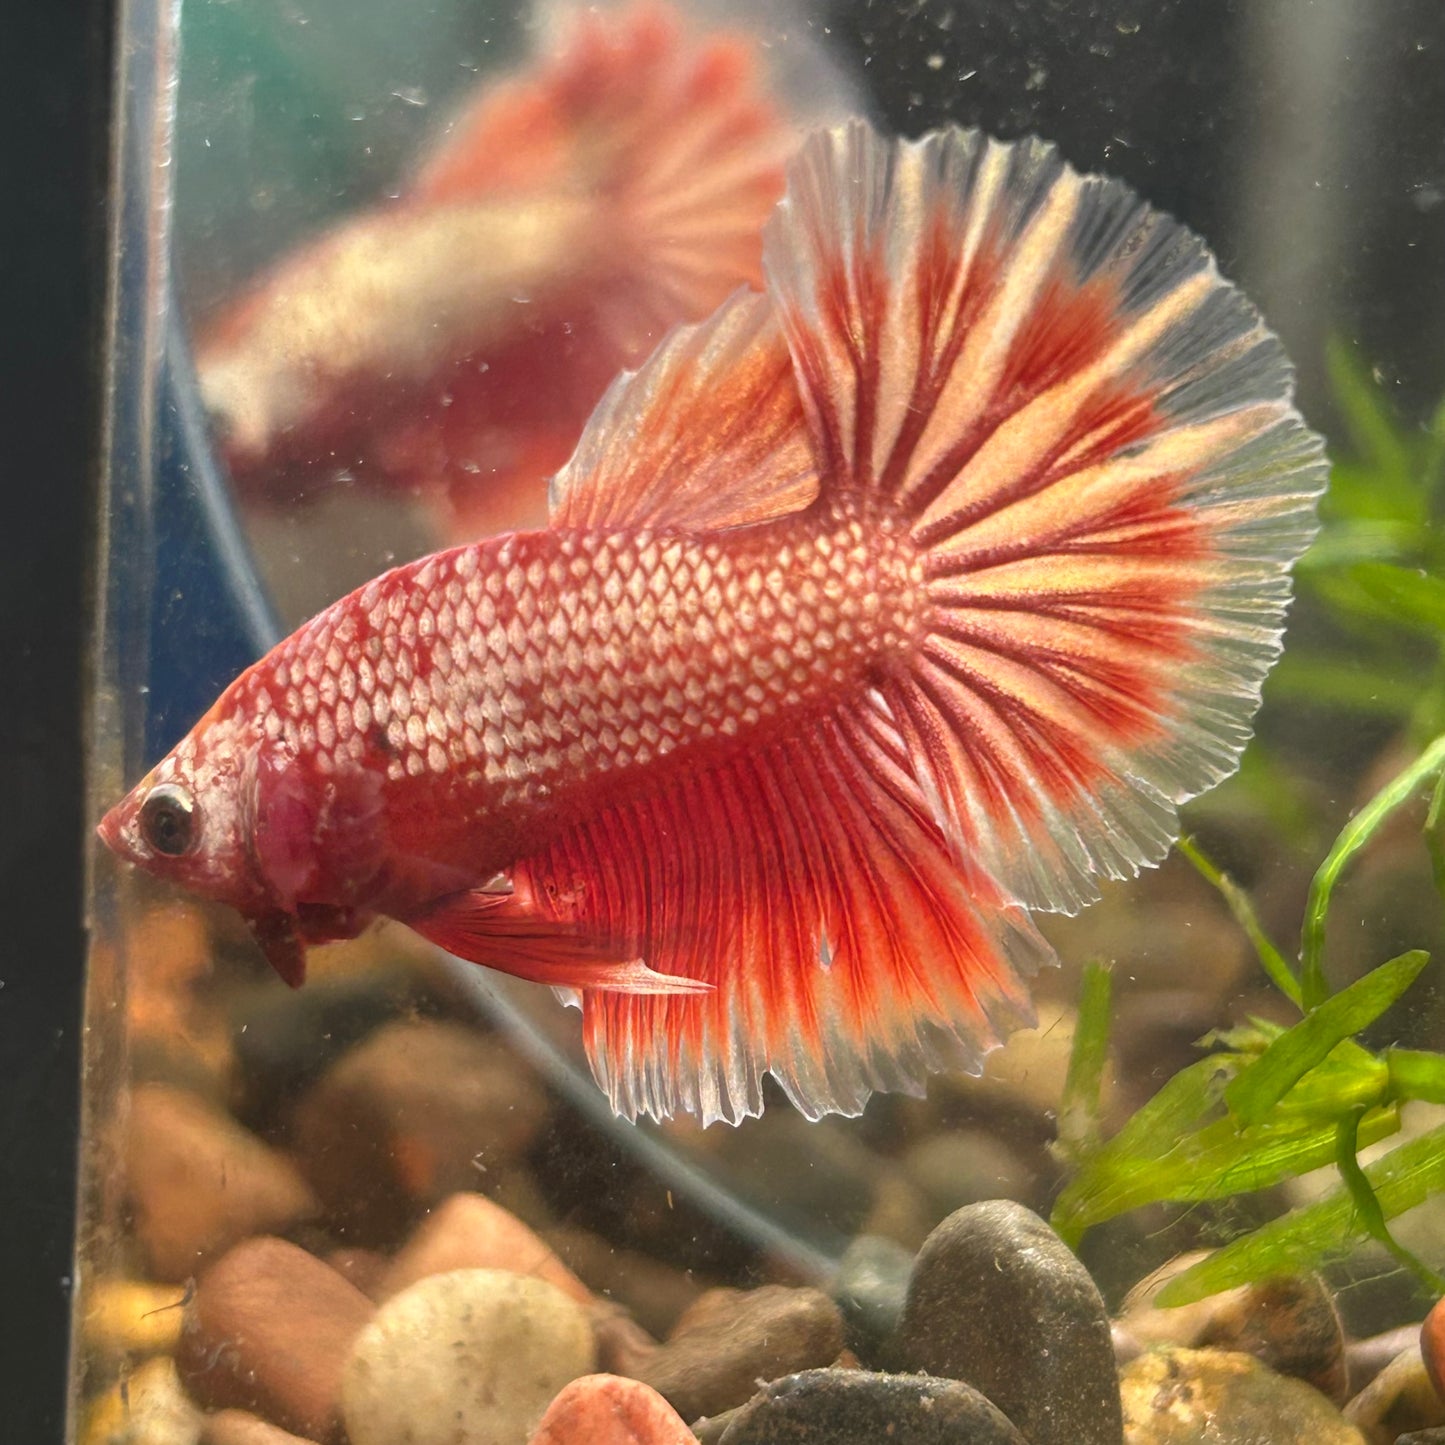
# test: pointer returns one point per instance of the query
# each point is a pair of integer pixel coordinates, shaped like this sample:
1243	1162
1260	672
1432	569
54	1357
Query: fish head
191	821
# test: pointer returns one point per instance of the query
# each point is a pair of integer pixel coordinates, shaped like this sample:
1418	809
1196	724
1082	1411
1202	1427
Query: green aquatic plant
1270	1102
1372	587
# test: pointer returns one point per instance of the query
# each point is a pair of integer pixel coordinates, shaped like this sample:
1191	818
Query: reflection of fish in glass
877	610
453	343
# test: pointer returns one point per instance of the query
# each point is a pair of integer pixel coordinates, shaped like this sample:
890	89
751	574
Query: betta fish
451	345
877	612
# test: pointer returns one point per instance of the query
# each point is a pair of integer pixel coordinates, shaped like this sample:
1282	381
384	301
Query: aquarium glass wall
854	849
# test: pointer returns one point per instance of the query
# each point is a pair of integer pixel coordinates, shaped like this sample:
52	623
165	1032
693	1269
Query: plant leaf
1262	1084
1375	432
1302	1238
1416	1074
1343	683
1078	1131
1213	1162
1412	596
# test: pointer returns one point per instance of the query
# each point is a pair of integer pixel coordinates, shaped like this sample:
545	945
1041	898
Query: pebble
803	1172
955	1167
284	1039
468	1231
655	1293
623	1346
608	1410
1432	1346
1367	1357
415	1112
998	1301
473	1357
131	1317
1289	1323
854	1407
146	1407
198	1182
268	1330
730	1339
1186	1397
1399	1399
365	1268
869	1289
240	1427
174	1035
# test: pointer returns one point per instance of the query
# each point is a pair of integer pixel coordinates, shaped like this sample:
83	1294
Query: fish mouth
111	830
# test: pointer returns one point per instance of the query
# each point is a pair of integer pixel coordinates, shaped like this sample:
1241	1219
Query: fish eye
168	820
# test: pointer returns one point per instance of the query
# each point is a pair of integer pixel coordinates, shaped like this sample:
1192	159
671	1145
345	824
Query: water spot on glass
1127	27
1038	76
934	62
411	94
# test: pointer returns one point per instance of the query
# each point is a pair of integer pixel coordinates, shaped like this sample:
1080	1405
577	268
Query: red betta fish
453	343
876	611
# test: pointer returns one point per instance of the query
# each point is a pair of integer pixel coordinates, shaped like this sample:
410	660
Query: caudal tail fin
1091	436
675	136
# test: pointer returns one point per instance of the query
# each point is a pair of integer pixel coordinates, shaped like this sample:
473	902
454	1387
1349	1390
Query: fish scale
524	667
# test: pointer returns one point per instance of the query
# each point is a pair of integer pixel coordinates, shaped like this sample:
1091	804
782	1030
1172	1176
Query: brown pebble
730	1339
468	1231
198	1182
1290	1324
269	1330
1399	1399
365	1268
409	1116
623	1346
656	1293
608	1410
240	1427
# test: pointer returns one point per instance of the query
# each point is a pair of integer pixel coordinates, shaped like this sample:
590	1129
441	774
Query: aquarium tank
766	744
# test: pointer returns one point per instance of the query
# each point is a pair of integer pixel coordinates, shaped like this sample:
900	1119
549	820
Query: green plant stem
1372	1217
1434	840
1271	959
1353	836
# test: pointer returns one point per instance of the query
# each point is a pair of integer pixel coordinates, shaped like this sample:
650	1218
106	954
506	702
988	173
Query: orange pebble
468	1231
609	1410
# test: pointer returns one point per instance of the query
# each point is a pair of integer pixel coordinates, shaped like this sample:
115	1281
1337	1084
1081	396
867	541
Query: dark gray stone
997	1300
870	1287
854	1407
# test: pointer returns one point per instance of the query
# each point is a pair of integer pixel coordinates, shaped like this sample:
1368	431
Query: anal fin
805	882
502	931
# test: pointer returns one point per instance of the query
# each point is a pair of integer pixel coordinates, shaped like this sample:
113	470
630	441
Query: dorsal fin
1089	435
707	434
